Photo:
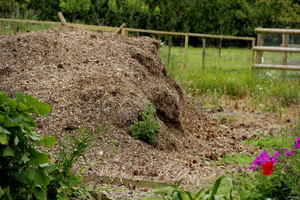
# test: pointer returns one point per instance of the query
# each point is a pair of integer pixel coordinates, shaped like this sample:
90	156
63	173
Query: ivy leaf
39	193
39	176
37	158
4	139
8	152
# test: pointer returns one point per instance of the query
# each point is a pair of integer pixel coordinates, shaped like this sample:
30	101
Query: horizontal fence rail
285	48
277	49
278	31
189	34
125	32
281	67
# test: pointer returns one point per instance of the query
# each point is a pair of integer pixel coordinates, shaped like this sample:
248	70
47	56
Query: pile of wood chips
94	79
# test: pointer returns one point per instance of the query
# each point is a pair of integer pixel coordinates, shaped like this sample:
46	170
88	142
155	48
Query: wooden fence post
203	53
252	54
186	46
121	28
1	28
258	52
285	41
62	19
124	32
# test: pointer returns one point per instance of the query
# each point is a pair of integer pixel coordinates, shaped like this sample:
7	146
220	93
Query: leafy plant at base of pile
147	128
63	183
274	177
22	167
174	192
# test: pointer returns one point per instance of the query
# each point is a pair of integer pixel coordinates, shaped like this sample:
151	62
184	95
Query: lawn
230	75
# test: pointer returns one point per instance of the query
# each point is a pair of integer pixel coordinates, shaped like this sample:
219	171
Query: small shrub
64	183
146	129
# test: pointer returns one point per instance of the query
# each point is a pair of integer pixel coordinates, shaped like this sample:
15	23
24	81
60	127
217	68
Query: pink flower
292	151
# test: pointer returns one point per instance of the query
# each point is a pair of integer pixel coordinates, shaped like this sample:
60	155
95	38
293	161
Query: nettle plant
146	129
22	167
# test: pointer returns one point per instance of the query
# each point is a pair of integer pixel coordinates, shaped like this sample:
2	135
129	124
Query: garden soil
104	81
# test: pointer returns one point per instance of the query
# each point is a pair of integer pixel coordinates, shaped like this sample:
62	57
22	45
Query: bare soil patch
91	79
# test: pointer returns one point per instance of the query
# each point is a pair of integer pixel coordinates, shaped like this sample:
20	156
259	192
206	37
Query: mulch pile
91	79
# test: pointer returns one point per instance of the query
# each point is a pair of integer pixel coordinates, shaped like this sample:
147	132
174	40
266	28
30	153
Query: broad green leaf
4	139
32	105
216	187
16	141
39	176
2	119
37	158
1	192
19	97
8	122
3	130
8	152
47	141
36	137
38	107
25	157
40	193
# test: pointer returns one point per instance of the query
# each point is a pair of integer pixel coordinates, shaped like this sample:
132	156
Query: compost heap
94	79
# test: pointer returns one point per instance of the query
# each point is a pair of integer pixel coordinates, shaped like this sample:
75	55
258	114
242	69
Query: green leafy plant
146	129
22	167
63	182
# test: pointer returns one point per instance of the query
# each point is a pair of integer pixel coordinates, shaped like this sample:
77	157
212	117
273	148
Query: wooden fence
124	31
284	48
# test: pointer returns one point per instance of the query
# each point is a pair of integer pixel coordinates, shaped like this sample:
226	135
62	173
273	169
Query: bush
25	172
146	129
22	167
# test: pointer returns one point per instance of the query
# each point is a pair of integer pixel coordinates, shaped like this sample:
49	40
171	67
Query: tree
74	7
132	12
100	11
48	9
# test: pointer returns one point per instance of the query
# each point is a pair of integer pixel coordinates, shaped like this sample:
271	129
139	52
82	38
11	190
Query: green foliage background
228	17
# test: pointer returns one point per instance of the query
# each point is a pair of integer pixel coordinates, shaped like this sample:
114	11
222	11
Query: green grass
230	74
13	27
